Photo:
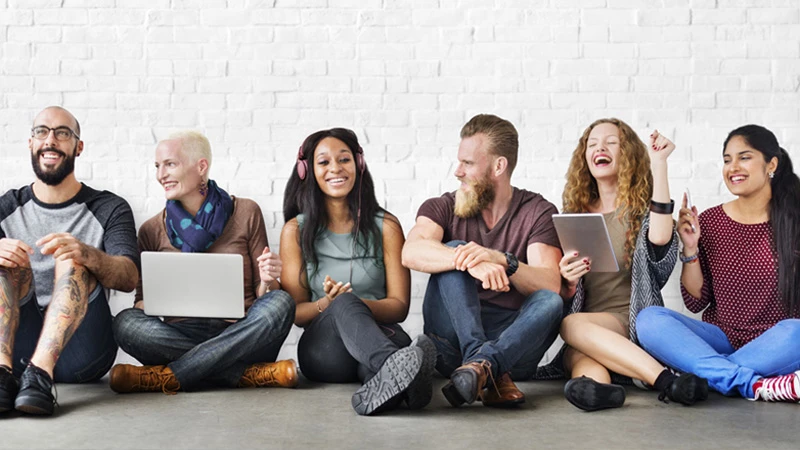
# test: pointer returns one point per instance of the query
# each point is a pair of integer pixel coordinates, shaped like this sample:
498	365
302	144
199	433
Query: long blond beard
470	204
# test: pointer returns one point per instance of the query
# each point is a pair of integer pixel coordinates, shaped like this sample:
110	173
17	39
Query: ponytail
784	213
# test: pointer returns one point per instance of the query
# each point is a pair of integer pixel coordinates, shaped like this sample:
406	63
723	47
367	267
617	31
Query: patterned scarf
196	234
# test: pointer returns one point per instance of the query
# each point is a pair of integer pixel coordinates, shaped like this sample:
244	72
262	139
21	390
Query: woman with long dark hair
341	263
740	264
614	173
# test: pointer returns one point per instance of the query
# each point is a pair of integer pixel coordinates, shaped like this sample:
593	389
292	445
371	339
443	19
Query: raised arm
660	148
691	272
424	250
393	308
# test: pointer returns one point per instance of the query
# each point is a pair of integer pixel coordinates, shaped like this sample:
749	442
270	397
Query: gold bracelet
318	307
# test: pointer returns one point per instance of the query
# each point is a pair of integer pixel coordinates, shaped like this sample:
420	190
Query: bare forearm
113	272
660	231
428	256
692	279
305	313
528	280
388	310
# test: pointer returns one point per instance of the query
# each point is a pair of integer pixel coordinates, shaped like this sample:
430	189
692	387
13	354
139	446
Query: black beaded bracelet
662	208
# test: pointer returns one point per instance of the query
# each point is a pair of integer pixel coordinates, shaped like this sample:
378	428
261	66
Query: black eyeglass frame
56	129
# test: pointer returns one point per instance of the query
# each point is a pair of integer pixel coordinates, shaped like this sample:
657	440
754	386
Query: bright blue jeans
202	352
690	345
465	329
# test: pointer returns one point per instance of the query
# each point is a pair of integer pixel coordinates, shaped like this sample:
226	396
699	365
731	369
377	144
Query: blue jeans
465	329
203	352
90	351
690	345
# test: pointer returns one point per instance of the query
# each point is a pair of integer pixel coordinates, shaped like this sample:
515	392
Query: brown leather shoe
277	374
503	394
127	378
467	382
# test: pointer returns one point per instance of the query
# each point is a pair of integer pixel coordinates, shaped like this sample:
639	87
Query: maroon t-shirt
527	221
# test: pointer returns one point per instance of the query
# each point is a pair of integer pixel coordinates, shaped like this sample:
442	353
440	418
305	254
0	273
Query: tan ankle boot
281	373
127	378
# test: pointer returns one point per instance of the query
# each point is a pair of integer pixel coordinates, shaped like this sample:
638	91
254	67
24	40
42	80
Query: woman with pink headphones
341	264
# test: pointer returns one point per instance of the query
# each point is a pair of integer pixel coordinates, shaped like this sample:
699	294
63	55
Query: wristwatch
513	264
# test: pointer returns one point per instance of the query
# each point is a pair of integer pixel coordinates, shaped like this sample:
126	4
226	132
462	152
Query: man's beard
472	202
53	177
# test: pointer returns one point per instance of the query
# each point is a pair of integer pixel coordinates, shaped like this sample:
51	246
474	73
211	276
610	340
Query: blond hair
634	180
195	144
503	137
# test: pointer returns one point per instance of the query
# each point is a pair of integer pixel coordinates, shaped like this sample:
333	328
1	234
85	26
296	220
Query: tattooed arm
113	272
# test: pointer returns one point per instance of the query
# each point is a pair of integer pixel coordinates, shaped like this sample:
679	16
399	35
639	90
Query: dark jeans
345	344
465	329
89	353
203	352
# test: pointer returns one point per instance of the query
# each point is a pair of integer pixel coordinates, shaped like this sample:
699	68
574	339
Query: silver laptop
209	285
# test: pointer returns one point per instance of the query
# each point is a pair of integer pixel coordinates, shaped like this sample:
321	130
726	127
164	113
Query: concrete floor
92	416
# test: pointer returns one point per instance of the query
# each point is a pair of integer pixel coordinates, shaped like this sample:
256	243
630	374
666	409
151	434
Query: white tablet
587	234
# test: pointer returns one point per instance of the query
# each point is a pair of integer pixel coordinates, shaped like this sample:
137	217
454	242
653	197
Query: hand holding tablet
586	235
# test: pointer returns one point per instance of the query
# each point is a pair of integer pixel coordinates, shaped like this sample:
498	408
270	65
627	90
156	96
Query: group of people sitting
501	289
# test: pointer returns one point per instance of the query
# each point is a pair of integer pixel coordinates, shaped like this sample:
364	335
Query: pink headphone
302	162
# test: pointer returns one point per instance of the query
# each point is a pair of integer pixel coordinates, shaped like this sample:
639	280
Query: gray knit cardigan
648	277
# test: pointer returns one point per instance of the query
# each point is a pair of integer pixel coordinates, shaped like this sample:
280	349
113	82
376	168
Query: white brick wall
257	76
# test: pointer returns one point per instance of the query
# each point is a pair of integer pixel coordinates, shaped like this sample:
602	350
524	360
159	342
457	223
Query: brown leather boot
467	382
277	374
127	378
503	394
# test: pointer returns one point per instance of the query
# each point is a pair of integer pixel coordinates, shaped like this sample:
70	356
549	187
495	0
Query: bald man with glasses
63	245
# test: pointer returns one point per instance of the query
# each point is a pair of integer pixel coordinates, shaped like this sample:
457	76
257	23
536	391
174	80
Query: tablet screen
587	234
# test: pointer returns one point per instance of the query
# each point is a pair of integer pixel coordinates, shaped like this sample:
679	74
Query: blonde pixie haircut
195	144
634	179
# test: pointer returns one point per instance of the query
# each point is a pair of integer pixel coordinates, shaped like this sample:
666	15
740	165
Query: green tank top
334	252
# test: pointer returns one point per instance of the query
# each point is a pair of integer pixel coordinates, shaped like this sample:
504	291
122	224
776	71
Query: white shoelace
780	389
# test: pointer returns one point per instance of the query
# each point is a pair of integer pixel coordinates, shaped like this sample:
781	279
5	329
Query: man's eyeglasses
62	133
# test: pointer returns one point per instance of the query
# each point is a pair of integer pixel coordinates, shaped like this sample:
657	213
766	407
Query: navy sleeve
119	227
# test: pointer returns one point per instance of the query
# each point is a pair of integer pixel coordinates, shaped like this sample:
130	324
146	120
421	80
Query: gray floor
91	416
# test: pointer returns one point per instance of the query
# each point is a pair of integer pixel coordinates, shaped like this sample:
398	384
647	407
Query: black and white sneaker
420	391
9	387
35	392
395	376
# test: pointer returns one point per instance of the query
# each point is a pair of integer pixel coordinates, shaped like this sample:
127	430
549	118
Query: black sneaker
420	391
589	395
686	389
9	386
35	392
384	390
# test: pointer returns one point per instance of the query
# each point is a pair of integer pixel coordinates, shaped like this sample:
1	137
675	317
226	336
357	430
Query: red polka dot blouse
740	277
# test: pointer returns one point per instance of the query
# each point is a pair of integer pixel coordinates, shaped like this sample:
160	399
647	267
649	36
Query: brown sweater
244	234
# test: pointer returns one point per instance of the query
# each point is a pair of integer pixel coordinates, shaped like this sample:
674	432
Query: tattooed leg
14	285
64	314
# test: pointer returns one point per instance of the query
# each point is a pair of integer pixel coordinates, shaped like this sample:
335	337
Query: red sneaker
785	388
